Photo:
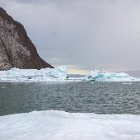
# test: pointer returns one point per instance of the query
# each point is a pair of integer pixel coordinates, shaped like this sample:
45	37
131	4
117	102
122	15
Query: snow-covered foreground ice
59	125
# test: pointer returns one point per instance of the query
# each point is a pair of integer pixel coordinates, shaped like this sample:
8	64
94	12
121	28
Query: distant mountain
16	48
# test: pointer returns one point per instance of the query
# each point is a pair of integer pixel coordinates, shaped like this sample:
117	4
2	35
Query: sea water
81	97
70	111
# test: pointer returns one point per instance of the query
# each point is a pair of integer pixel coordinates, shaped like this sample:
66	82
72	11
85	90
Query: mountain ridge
16	48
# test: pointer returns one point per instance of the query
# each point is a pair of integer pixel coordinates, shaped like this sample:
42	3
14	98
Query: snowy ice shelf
59	125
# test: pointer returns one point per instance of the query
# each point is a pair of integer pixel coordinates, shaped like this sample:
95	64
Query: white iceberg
44	74
109	76
59	125
60	74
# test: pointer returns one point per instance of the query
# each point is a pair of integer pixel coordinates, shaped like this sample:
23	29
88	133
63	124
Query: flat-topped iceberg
49	74
109	76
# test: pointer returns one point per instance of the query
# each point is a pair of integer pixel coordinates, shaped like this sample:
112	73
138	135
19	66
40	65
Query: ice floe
45	74
60	74
59	125
109	76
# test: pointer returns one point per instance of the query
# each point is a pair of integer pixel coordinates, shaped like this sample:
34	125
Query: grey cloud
88	34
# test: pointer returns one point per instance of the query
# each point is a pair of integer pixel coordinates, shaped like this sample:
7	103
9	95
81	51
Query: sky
82	34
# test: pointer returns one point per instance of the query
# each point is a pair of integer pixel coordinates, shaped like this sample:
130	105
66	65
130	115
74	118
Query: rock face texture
16	48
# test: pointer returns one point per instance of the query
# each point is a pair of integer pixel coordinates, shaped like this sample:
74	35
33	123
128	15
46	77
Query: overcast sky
82	34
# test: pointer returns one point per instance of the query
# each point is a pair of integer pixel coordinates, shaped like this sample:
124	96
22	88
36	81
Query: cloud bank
84	34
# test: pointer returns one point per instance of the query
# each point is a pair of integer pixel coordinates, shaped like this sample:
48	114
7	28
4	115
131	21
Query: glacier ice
59	125
109	76
16	74
60	74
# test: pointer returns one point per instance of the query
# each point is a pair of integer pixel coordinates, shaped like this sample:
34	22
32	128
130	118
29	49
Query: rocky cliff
16	48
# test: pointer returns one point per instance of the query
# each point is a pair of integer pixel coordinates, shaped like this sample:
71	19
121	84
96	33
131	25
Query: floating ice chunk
16	74
59	125
106	76
60	74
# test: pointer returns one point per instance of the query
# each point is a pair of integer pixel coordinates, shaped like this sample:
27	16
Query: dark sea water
87	97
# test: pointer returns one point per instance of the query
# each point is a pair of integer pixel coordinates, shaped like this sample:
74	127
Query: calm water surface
87	97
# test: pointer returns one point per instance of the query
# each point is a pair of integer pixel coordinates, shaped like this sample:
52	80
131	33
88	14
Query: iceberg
44	74
60	125
109	76
60	74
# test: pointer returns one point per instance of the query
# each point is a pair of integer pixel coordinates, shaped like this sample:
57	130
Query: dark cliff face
16	48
